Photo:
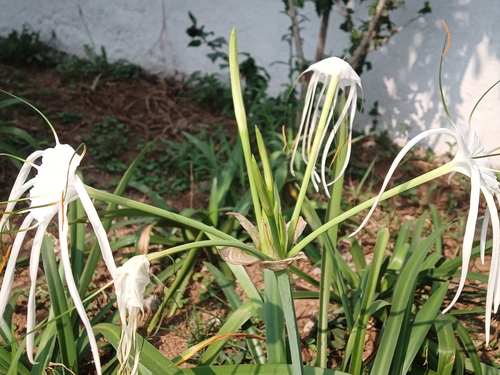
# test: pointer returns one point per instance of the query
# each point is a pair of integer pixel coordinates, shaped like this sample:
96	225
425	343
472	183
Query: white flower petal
130	283
392	169
493	291
8	277
96	223
470	229
73	290
34	260
53	179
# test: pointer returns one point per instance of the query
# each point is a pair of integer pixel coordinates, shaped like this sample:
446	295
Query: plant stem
444	169
241	119
275	327
112	198
327	261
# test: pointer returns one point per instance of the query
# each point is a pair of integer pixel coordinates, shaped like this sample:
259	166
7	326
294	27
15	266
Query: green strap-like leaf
422	323
403	292
446	345
150	358
267	369
58	300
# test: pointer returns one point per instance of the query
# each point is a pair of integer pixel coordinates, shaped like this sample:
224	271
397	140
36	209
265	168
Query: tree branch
368	36
320	50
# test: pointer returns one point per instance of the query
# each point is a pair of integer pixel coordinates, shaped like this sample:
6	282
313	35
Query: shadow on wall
404	79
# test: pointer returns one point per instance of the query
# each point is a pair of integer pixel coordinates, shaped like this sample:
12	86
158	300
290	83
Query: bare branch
368	36
320	50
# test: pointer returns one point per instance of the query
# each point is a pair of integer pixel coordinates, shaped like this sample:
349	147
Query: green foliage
70	117
107	143
26	48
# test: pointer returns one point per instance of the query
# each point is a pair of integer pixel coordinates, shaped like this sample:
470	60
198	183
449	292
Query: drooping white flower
330	71
471	160
130	283
52	189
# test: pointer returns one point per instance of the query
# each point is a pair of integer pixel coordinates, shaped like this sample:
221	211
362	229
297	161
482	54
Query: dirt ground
158	108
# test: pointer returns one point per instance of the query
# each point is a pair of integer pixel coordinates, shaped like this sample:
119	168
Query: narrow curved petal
484	231
330	141
14	196
304	120
393	167
130	284
102	237
8	277
25	170
73	290
34	261
470	229
493	291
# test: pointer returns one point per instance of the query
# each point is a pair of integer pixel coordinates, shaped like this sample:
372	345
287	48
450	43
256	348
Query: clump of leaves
26	48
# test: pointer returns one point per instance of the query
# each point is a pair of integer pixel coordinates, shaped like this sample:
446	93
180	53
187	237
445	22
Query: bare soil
157	108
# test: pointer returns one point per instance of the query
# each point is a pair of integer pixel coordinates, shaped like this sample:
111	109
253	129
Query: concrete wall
403	79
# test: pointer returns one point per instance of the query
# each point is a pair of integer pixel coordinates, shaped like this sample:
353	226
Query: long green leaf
446	344
464	336
6	363
59	304
403	292
291	322
235	302
267	369
422	323
274	319
358	336
232	324
150	358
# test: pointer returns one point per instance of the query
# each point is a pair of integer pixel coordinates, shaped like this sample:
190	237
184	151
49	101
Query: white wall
405	70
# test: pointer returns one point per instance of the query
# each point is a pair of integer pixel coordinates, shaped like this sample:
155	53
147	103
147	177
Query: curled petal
249	227
233	255
130	283
395	164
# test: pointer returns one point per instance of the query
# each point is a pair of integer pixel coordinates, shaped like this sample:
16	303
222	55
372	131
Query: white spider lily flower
330	71
130	283
471	160
52	189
